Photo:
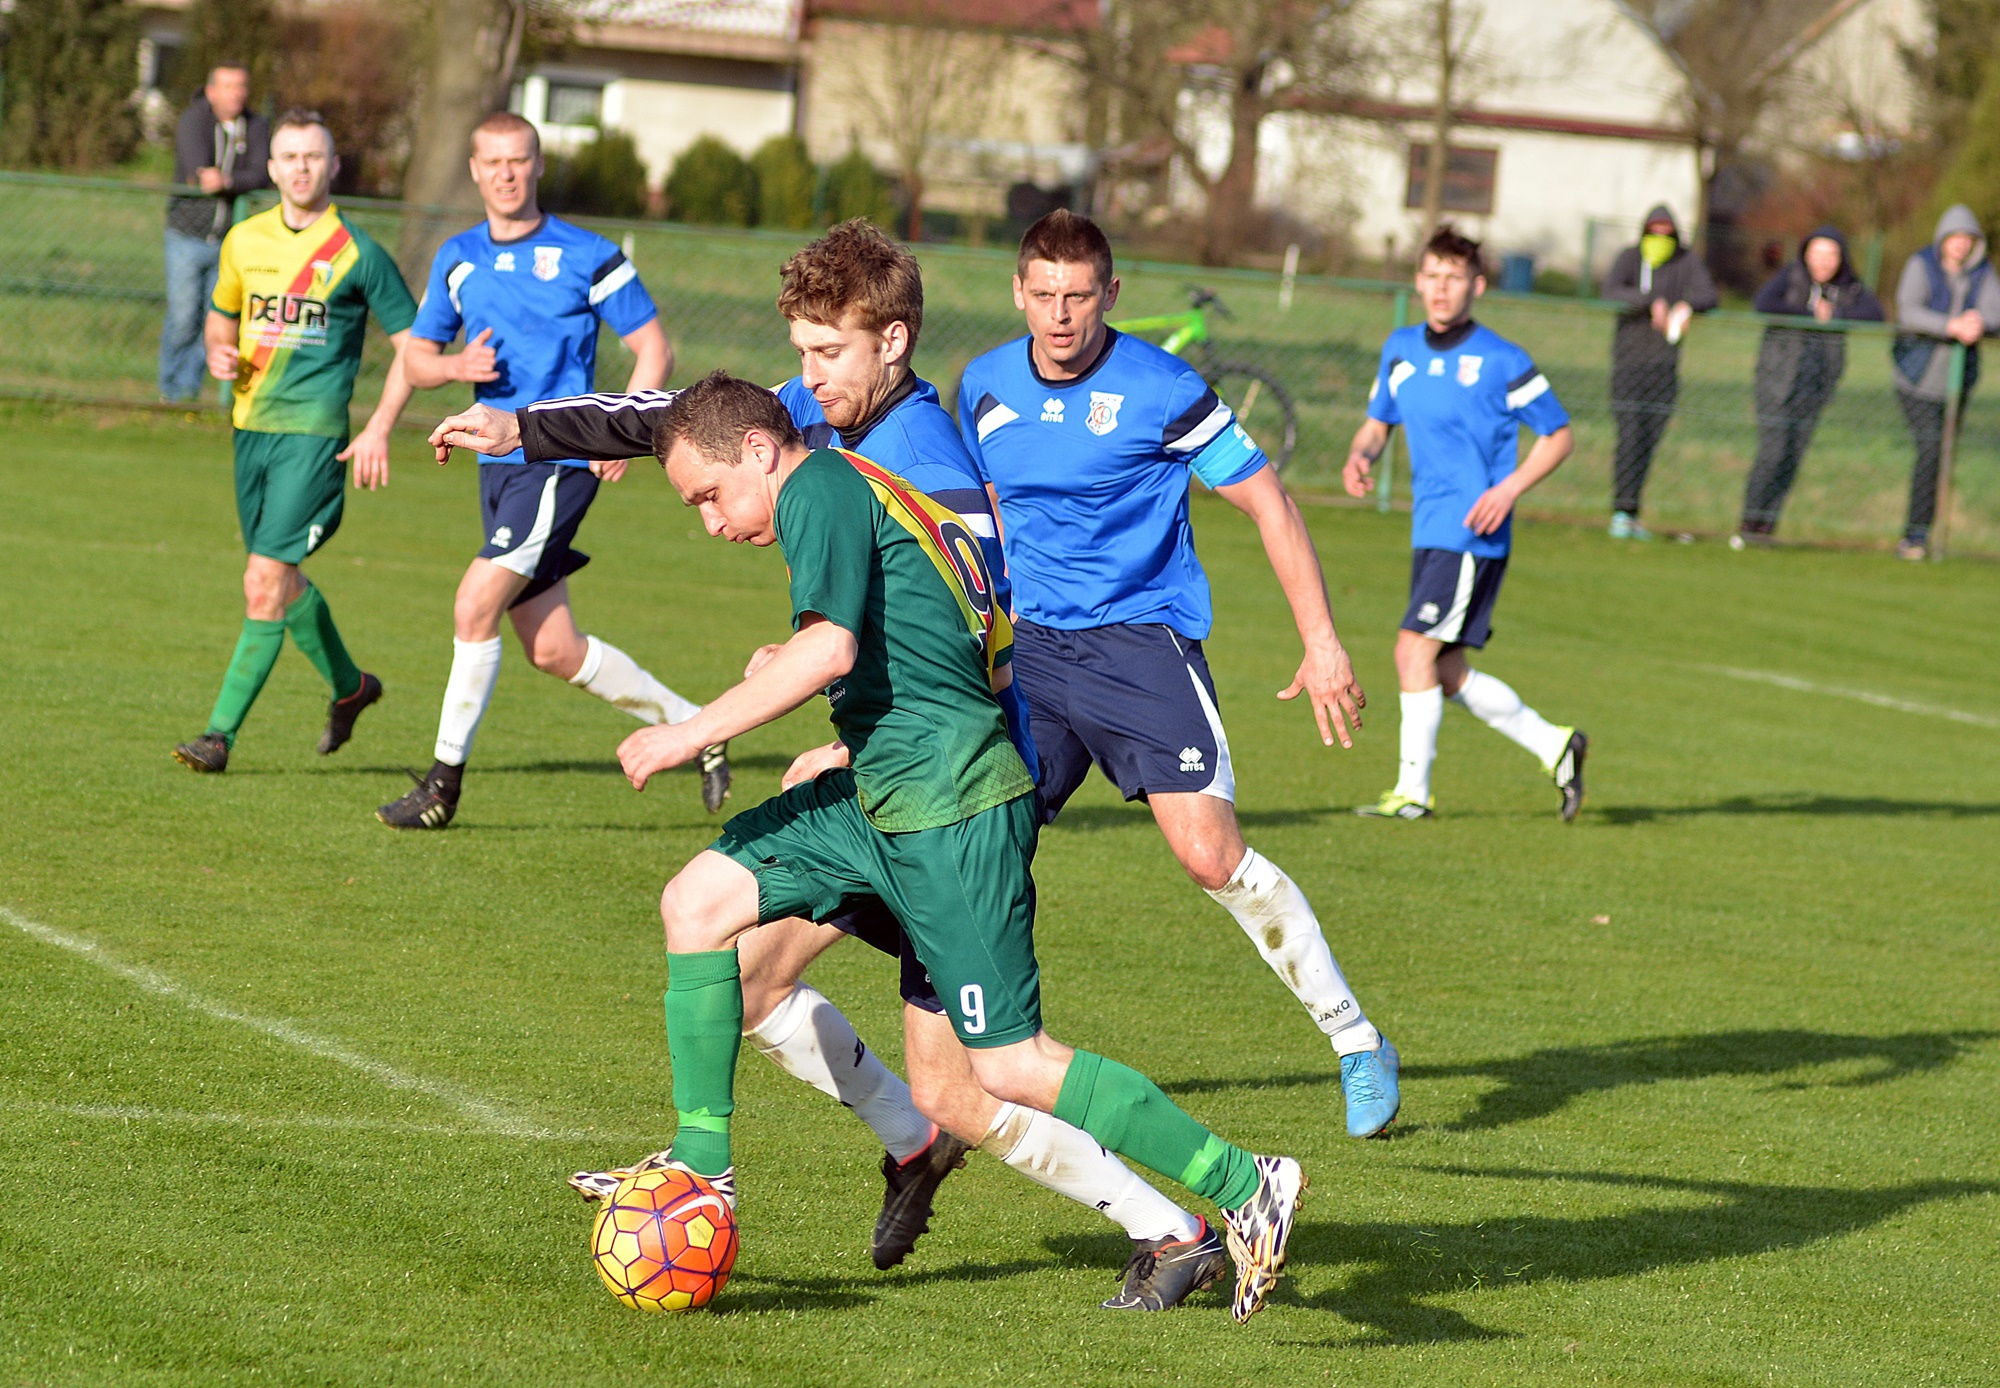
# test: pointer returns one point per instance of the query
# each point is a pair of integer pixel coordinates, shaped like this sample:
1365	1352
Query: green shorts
289	492
963	892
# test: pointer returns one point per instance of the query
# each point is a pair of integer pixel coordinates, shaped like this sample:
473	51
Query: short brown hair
1449	243
854	269
1064	238
302	118
507	123
714	414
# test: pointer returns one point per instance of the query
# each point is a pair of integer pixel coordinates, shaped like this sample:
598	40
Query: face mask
1656	250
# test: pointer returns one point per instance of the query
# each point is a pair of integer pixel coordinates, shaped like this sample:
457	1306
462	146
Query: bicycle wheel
1262	406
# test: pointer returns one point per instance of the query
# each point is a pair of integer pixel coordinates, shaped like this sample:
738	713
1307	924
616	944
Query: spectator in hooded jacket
1797	369
1662	285
1948	293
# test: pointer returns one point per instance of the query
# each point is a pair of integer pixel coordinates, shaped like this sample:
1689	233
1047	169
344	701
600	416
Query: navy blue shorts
867	919
1452	596
531	512
1135	700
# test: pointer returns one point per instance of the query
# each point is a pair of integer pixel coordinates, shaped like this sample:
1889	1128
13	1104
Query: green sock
310	621
1128	1113
256	652
704	1033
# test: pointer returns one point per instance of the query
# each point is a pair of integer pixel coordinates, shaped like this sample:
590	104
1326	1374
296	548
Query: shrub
605	178
856	188
712	183
786	182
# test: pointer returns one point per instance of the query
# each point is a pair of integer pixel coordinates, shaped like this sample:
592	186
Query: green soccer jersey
301	300
881	560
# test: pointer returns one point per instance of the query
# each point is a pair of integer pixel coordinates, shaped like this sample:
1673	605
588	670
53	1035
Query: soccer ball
664	1241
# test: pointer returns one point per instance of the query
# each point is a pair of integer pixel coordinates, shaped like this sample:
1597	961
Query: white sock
1494	703
1422	713
809	1039
616	678
1276	916
1069	1162
475	669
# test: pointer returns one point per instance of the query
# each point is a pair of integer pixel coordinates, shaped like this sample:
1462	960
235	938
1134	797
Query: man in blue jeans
223	149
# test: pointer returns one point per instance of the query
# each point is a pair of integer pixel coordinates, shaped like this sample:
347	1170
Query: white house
1567	113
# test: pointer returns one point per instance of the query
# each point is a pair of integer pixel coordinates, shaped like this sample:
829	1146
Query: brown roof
1029	16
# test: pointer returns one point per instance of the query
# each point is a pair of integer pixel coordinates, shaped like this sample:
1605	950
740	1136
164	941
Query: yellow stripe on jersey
953	549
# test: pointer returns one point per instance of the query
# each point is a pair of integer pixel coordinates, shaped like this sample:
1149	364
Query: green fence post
1954	387
1385	475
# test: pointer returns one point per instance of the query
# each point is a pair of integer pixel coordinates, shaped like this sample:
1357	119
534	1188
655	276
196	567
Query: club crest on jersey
548	262
1052	411
504	261
1103	416
1468	370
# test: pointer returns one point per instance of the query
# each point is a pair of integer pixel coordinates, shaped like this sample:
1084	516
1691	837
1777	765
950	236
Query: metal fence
81	298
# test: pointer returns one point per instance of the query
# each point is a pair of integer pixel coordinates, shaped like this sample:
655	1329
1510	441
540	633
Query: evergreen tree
70	70
856	188
785	183
230	31
712	183
1973	174
605	178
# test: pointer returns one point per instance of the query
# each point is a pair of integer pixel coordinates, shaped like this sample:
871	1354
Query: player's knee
1210	864
696	915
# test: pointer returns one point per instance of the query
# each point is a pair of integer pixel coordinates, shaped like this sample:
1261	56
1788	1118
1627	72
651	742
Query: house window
1468	178
575	103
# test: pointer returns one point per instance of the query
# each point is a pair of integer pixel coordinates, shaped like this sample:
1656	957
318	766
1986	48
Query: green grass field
1698	1091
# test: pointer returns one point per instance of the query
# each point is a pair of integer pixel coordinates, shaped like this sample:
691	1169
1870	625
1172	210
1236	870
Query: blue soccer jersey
1092	476
1464	395
543	297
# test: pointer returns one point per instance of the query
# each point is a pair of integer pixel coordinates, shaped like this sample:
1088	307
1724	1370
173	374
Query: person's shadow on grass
1541	1082
1404	1266
1856	806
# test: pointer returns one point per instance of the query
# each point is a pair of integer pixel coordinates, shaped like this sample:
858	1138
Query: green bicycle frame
1183	330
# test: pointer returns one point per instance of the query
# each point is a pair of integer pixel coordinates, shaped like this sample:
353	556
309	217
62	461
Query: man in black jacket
1662	285
222	148
1797	369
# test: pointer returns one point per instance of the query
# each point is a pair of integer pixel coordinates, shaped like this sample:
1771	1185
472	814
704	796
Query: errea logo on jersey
502	537
1428	612
1191	759
1052	411
504	261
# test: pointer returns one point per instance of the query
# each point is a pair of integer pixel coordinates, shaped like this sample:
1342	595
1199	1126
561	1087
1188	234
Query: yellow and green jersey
905	576
301	300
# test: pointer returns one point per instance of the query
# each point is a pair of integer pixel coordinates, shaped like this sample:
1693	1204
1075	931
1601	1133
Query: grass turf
1698	1090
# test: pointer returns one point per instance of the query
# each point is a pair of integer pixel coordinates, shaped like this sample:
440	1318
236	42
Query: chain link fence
81	298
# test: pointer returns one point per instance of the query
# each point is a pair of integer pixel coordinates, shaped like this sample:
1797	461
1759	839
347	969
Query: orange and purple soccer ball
664	1241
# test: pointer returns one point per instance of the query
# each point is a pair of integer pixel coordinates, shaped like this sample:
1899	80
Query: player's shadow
1542	1082
1404	1267
1856	806
752	1292
1093	818
755	761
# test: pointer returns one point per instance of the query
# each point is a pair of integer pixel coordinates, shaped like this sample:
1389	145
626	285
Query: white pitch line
1862	696
483	1112
140	1113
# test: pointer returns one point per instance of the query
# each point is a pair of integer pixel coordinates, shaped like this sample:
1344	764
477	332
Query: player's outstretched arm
1358	472
1497	502
1325	675
370	448
818	654
481	428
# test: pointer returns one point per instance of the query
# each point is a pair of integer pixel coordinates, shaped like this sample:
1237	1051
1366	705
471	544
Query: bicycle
1262	406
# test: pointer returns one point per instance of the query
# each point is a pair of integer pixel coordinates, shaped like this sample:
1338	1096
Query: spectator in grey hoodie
1948	293
1797	369
222	148
1662	285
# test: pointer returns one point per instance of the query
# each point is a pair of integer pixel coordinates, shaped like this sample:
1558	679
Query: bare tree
475	45
1249	57
922	77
